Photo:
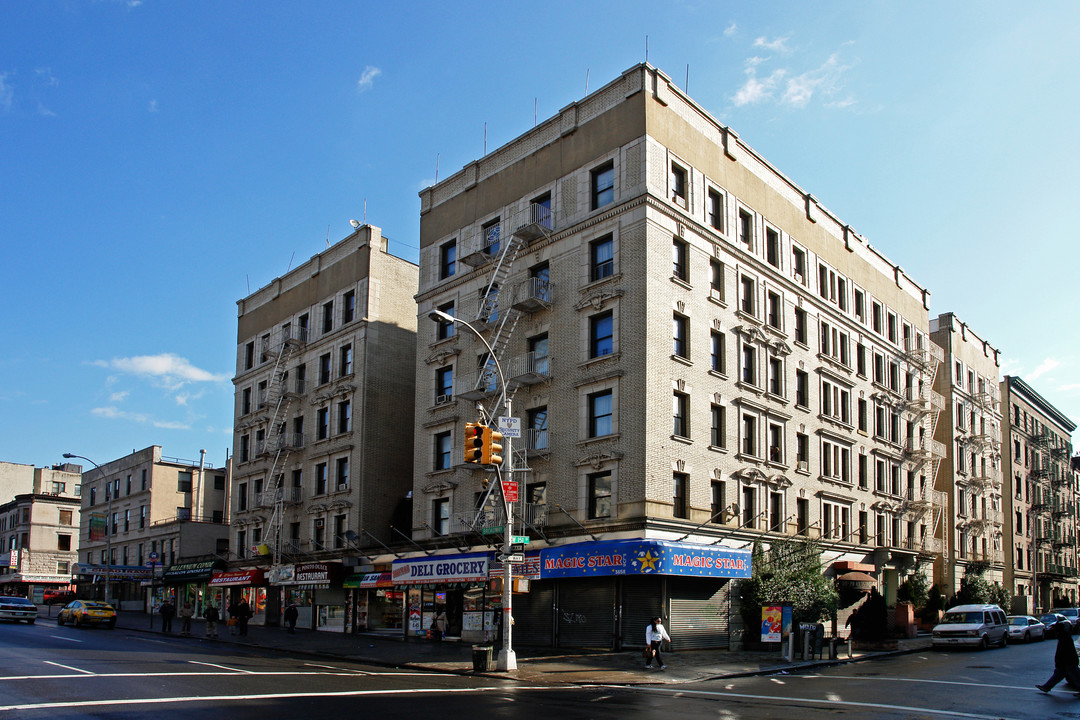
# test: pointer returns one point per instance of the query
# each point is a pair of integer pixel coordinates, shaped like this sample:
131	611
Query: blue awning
643	557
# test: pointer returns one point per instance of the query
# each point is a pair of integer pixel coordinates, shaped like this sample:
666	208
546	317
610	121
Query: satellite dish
355	223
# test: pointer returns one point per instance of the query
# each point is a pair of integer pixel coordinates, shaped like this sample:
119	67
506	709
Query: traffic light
492	454
474	442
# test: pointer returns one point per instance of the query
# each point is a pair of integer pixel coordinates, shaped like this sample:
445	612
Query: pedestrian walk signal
474	442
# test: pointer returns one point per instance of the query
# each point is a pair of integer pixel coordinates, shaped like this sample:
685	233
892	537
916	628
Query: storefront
602	594
457	584
187	582
372	603
316	590
125	583
222	584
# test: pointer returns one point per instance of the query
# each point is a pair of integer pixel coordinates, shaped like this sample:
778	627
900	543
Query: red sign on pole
510	490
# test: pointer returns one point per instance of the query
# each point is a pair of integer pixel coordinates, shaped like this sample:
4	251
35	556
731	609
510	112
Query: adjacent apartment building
971	473
701	355
1041	500
323	422
146	511
39	531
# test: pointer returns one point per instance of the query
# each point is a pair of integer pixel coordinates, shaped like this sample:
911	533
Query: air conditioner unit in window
802	466
443	399
320	522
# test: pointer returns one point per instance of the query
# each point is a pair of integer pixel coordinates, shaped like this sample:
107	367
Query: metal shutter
534	614
641	599
586	613
700	613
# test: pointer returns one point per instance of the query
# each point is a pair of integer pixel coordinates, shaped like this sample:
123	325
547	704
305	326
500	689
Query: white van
972	626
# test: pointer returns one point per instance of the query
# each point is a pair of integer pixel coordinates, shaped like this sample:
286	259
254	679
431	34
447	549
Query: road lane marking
331	667
814	701
912	680
232	673
222	667
268	696
64	637
67	667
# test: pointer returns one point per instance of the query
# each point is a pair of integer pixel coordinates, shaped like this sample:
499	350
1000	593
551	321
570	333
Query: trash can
481	658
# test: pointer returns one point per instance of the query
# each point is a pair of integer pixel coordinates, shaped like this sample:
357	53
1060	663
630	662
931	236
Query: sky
161	160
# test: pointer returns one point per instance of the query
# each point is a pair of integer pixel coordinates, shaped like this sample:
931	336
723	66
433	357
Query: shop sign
528	568
281	574
643	557
311	574
190	572
9	559
116	572
369	580
239	577
445	569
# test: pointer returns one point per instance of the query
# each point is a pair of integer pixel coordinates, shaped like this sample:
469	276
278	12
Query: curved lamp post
507	657
108	521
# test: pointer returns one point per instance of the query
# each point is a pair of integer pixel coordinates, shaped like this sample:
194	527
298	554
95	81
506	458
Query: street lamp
507	658
108	521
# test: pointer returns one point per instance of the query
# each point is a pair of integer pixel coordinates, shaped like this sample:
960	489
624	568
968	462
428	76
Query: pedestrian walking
243	614
655	634
439	624
1066	662
168	610
186	613
211	615
291	613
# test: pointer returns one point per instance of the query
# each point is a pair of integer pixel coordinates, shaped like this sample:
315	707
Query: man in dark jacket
291	614
168	610
1066	662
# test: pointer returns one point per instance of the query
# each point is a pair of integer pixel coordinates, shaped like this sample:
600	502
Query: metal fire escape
499	309
985	477
1053	509
923	454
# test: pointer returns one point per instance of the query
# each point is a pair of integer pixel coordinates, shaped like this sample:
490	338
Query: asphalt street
51	672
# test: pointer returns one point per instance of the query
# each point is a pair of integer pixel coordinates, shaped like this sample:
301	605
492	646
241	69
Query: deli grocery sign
448	568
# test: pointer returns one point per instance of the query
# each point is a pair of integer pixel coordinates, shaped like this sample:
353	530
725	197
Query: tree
788	573
914	589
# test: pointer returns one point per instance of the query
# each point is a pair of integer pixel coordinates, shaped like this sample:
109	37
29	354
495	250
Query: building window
345	361
863	415
678	184
774	312
324	370
249	355
776	377
749	509
860	305
492	234
680	260
601	334
599	495
442	451
776	443
719	426
746	230
749	435
328	317
802	451
322	423
875	317
65	517
798	264
860	360
715	210
719	501
601	258
447	259
749	364
772	247
746	300
600	413
440	515
603	185
320	479
718	352
183	483
680	490
344	417
445	328
348	307
343	473
681	335
716	281
245	449
444	384
537	438
63	542
681	415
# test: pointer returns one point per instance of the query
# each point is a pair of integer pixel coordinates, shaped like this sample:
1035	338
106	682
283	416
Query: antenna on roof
586	81
436	168
365	211
534	112
646	49
248	278
327	236
686	85
485	138
290	261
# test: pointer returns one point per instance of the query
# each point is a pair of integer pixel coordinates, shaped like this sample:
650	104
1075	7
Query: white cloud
1071	387
166	366
776	44
756	90
118	396
825	79
1047	365
44	111
46	74
152	107
7	92
367	78
731	29
113	413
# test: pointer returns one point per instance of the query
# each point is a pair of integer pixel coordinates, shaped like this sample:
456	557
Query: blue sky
158	160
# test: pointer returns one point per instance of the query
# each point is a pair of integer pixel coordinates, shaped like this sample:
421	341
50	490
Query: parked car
58	597
13	607
972	626
1055	620
87	612
1026	628
1074	617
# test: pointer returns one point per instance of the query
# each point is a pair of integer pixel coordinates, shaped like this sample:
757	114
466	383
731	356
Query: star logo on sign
648	561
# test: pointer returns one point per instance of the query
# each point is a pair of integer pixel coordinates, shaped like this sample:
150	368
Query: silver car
1026	628
17	608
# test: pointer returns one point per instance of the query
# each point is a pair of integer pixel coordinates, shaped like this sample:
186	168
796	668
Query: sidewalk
535	665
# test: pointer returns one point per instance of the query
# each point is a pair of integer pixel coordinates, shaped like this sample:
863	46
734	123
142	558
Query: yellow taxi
81	613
